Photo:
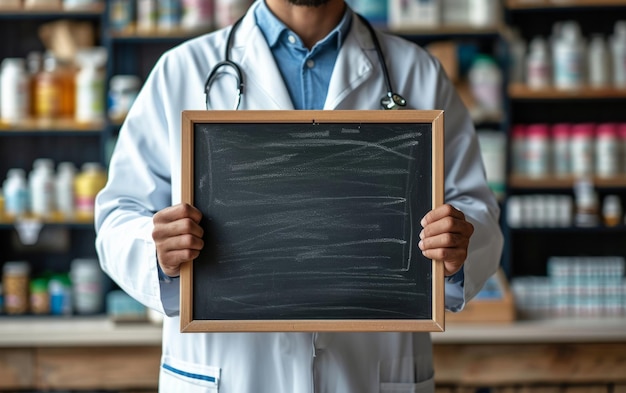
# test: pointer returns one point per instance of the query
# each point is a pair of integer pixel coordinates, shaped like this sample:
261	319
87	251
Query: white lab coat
144	177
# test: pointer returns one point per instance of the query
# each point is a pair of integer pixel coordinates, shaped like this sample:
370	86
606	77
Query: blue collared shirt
306	72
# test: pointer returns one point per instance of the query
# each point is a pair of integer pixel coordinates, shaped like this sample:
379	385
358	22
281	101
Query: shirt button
292	39
310	63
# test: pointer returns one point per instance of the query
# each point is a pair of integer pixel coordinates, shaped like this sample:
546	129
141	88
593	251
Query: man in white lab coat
326	55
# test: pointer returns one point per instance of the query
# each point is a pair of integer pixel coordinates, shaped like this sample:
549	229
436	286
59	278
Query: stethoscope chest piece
392	101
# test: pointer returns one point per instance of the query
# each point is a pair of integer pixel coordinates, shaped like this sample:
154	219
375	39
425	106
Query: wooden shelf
448	30
530	4
52	12
551	182
43	126
523	92
132	34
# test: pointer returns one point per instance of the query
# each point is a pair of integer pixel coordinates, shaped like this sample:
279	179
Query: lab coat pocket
407	375
178	376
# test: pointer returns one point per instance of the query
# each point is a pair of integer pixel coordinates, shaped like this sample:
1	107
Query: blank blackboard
311	220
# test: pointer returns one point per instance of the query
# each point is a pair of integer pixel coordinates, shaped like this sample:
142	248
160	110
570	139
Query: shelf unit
529	248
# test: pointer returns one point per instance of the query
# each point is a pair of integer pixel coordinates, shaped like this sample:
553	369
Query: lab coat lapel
264	87
352	68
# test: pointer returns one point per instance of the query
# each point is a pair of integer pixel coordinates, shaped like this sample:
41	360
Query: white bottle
87	291
485	80
14	91
538	64
197	14
90	92
483	13
568	58
607	150
15	193
64	188
618	51
599	62
41	185
228	11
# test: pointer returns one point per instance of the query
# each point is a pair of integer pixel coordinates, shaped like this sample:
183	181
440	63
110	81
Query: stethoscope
389	102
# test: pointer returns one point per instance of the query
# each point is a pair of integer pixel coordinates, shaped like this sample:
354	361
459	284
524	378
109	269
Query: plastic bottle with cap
582	149
611	210
538	64
618	51
569	59
90	94
587	213
14	91
41	185
599	62
15	283
87	285
16	193
123	90
607	153
485	78
87	184
561	149
64	188
538	150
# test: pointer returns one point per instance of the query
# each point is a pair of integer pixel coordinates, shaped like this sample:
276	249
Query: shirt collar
272	28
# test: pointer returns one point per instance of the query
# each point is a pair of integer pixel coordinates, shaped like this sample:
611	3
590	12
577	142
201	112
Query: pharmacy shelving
529	248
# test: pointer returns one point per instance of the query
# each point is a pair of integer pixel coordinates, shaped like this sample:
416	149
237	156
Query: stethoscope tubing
390	101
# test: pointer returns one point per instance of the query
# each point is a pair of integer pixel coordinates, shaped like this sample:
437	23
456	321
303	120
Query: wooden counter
96	353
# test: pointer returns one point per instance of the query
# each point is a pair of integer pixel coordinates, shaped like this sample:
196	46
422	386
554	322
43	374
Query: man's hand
178	236
445	237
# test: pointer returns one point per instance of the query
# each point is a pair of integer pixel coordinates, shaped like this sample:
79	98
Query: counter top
101	331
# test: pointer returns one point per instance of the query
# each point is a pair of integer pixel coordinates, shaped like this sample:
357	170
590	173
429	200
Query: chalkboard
311	220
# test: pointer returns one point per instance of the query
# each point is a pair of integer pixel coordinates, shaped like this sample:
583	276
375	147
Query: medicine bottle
147	15
16	193
87	283
538	150
587	212
169	13
582	149
39	299
538	65
48	88
599	62
15	282
485	80
618	52
60	292
90	93
607	153
122	93
64	188
561	149
228	11
41	186
14	91
197	14
611	210
87	184
569	60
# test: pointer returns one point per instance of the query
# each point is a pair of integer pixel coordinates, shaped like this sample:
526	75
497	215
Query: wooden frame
209	120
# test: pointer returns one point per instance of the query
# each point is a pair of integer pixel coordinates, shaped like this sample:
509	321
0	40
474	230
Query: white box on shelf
407	14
